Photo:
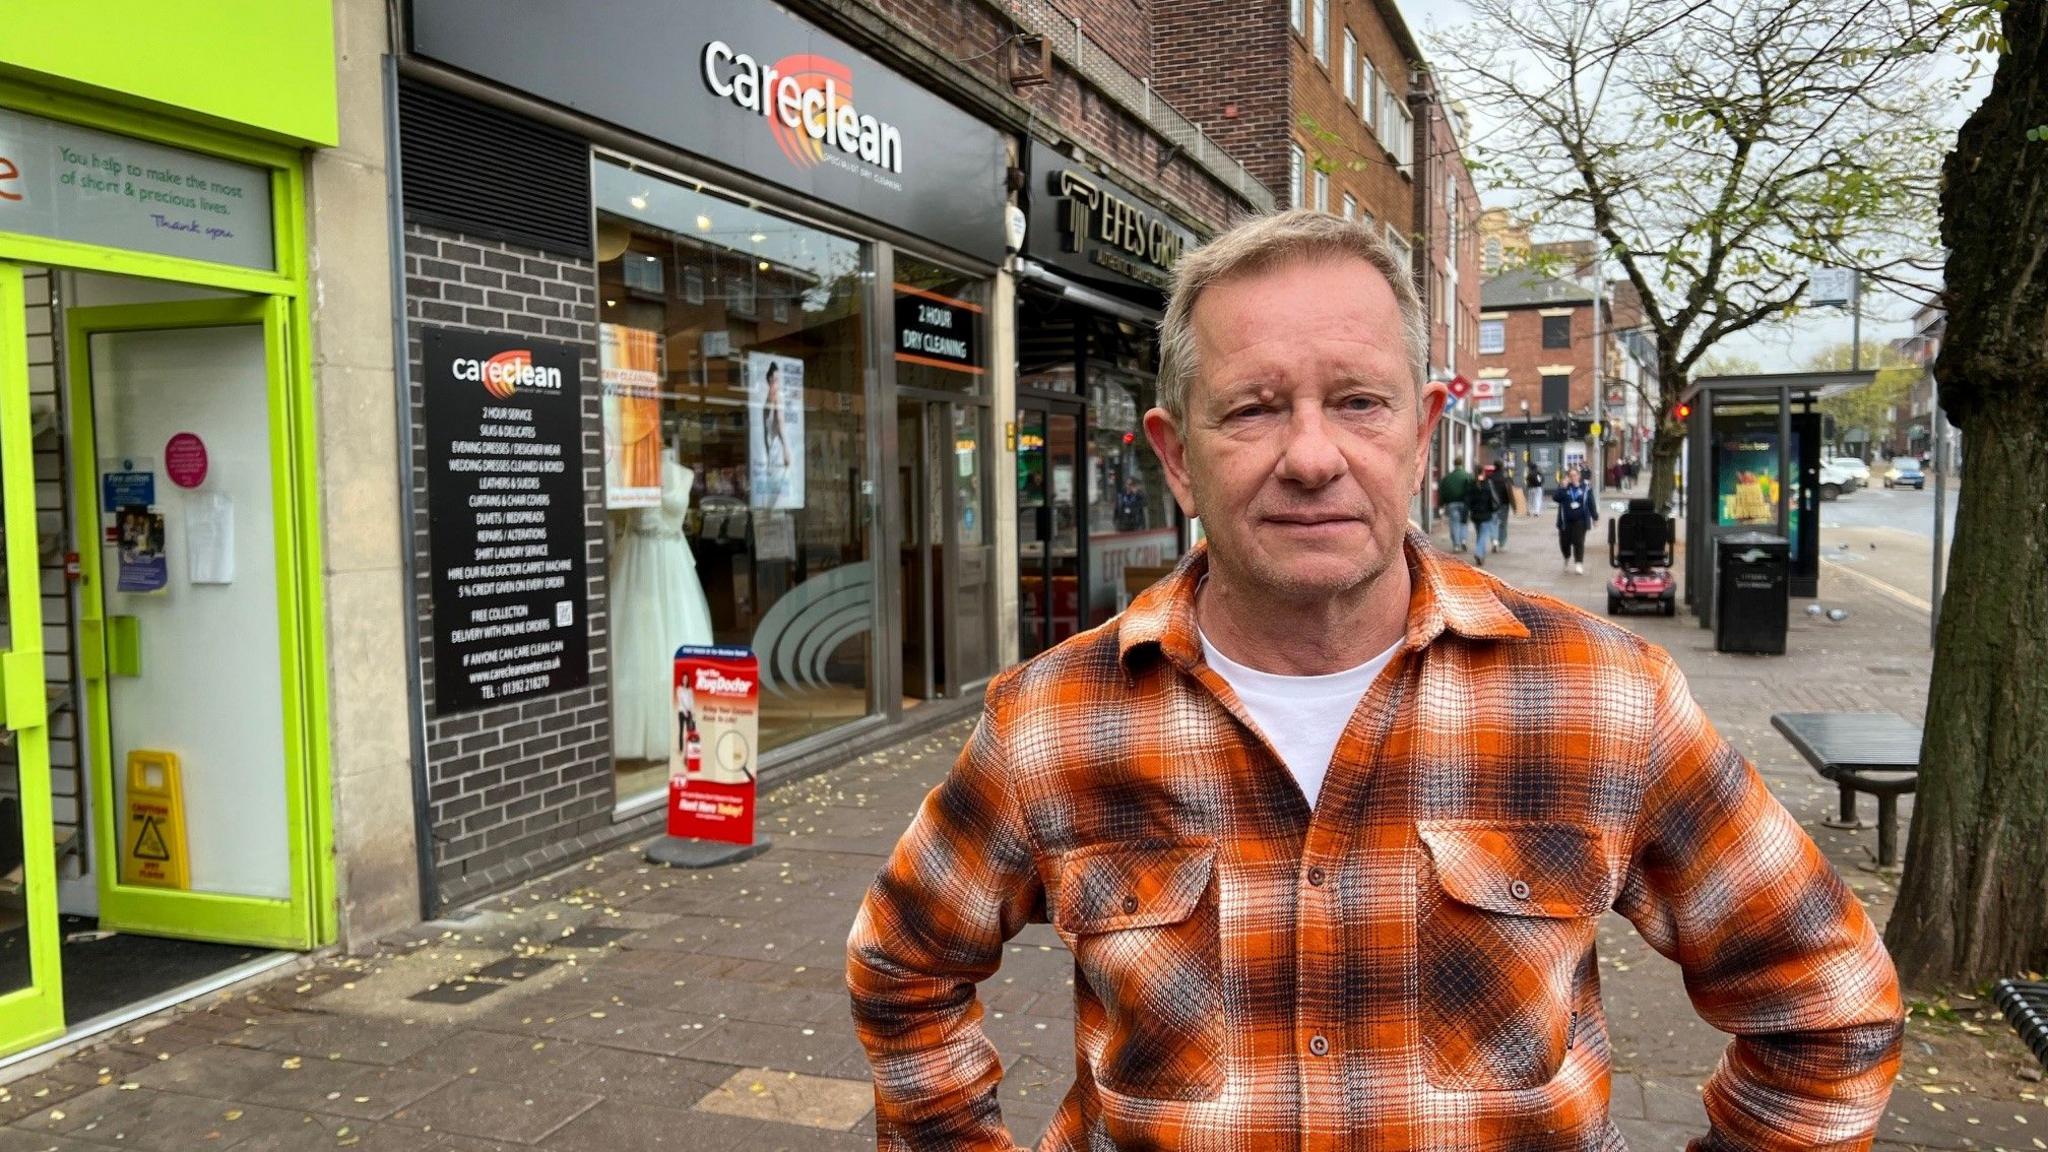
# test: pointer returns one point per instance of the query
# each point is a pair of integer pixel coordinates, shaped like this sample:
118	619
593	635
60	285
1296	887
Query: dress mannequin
657	606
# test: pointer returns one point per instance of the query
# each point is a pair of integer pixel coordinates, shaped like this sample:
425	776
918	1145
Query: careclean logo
508	372
501	372
804	145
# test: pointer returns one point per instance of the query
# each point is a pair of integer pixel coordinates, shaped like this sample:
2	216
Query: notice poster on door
629	371
712	760
143	566
504	424
775	431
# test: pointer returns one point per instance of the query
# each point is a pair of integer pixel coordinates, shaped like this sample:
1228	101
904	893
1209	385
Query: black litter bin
1753	578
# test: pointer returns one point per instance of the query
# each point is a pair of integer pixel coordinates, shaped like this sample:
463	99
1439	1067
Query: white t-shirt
1302	716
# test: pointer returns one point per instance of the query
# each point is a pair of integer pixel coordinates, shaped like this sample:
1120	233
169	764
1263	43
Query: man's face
1304	435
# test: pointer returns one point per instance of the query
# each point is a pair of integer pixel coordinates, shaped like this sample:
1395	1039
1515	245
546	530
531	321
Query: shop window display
732	362
1131	521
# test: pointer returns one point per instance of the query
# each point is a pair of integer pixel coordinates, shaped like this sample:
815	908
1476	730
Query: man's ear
1172	451
1429	412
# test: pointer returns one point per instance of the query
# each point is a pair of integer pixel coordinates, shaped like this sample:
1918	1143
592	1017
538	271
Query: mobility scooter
1639	548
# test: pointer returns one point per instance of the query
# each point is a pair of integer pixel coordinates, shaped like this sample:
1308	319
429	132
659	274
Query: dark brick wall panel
505	783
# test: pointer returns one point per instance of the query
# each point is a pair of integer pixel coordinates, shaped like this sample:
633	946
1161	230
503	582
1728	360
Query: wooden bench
1873	752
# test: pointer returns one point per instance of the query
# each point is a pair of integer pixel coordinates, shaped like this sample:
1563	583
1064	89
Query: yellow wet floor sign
153	823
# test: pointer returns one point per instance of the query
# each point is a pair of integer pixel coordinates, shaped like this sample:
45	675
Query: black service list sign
504	422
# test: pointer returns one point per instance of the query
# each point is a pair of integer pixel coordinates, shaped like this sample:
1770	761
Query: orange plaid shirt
1410	966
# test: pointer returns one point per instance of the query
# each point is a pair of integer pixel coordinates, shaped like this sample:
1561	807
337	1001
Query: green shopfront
164	808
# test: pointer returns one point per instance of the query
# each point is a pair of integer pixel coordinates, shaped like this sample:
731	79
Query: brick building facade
1543	329
1334	127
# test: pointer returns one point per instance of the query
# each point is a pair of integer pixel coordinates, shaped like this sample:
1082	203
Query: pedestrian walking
1450	500
1329	823
1577	508
1534	483
1481	503
1501	481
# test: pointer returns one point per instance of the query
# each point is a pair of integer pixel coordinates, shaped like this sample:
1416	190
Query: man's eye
1247	411
1360	403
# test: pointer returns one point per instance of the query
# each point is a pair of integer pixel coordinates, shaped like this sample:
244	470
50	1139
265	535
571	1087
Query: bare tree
1974	901
1719	150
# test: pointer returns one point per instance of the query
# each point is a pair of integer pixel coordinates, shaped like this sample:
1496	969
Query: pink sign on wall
185	460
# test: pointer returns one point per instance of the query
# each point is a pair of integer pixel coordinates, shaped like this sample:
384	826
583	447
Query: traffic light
1685	411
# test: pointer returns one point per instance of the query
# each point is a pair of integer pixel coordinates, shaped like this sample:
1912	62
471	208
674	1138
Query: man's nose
1310	456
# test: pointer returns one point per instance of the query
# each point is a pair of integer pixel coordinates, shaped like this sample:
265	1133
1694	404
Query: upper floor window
1350	206
1297	165
1297	14
1319	29
1557	331
1369	95
1402	248
1322	191
1350	66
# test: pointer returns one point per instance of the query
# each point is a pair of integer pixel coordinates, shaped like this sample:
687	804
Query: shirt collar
1443	596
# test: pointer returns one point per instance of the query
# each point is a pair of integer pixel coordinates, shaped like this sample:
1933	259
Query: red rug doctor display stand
713	762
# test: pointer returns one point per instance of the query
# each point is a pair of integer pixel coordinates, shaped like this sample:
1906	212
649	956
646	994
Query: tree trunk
1974	902
1664	467
1671	383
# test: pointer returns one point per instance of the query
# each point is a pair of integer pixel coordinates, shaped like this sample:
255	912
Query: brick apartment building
1328	103
1313	96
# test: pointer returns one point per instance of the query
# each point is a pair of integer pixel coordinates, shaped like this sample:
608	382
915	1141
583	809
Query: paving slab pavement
616	1005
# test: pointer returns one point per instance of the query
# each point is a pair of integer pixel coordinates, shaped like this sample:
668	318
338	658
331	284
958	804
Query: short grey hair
1258	245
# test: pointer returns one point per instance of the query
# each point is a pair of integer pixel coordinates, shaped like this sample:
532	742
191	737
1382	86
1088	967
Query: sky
1783	348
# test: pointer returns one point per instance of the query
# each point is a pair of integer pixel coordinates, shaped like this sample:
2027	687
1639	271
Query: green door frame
162	911
283	306
35	1013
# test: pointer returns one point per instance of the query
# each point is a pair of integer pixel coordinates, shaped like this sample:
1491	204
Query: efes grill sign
508	373
807	101
753	88
1094	229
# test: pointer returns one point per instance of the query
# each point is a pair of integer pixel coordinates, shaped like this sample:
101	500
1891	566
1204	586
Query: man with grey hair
1329	868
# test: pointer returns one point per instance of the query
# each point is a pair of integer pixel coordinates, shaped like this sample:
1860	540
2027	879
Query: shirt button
1319	1046
1520	889
1131	904
1315	876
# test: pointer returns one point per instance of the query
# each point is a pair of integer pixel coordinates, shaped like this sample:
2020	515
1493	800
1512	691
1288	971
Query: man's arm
1775	948
960	883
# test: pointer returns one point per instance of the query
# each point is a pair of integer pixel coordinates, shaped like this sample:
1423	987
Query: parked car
1905	473
1835	480
1857	470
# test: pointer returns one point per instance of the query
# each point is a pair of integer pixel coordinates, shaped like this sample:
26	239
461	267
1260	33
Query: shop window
732	361
1131	521
1557	331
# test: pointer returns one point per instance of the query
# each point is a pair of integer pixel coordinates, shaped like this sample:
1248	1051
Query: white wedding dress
657	606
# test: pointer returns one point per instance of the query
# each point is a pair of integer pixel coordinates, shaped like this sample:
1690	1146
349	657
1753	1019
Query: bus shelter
1752	463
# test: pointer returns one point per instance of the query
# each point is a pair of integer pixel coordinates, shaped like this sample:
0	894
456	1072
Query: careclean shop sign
504	421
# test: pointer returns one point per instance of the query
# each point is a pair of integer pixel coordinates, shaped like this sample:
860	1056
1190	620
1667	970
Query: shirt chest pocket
1142	921
1505	923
